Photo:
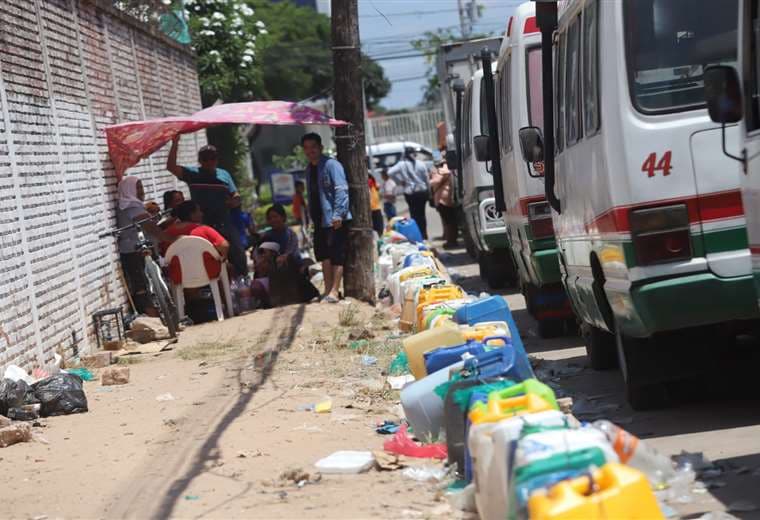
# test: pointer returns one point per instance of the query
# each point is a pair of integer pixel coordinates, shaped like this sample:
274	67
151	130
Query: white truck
456	64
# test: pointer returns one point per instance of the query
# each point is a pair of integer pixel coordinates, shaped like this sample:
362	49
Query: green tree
224	36
429	44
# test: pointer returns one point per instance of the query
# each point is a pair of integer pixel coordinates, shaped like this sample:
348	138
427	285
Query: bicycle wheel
161	295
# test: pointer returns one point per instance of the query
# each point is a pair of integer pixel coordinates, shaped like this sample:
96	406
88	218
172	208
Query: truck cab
483	221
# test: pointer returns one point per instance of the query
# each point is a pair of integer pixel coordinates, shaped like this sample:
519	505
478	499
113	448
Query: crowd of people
280	272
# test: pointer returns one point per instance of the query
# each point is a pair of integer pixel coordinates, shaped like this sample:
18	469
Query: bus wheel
637	356
600	347
551	328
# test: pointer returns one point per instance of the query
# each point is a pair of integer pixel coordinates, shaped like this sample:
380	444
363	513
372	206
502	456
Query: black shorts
331	244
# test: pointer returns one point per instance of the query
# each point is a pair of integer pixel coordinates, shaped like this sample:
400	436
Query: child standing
301	211
388	190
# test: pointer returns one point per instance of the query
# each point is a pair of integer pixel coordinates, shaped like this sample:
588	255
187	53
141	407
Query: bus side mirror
482	153
532	144
723	94
451	159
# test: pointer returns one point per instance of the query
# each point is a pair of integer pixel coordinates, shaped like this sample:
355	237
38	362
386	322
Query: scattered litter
565	404
305	407
358	344
84	373
696	460
399	382
389	461
16	373
425	473
323	407
387	428
15	433
362	333
741	506
61	394
400	365
713	472
192	497
307	428
679	491
299	477
114	376
667	511
369	361
402	444
165	397
348	462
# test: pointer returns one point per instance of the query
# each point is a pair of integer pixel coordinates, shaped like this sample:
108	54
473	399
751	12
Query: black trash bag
61	394
12	394
20	414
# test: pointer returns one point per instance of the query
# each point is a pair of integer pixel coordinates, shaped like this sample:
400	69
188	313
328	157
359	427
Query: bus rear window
669	43
535	93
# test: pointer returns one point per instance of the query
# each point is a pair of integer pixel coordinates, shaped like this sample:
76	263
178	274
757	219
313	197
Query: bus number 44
652	165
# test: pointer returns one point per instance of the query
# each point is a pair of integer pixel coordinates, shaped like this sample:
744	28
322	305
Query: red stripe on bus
530	26
509	26
755	250
709	207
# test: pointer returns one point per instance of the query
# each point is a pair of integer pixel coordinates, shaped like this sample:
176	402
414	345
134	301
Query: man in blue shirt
328	205
215	192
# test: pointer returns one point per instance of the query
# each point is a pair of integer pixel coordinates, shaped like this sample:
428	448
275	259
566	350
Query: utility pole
359	273
463	15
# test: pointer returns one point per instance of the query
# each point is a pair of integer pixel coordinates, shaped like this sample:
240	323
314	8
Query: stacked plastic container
518	455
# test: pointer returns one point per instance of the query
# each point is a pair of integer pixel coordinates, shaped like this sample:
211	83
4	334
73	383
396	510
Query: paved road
718	415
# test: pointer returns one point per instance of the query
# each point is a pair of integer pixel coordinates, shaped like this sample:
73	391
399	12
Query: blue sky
409	19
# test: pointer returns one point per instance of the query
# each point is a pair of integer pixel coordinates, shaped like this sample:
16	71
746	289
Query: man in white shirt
412	176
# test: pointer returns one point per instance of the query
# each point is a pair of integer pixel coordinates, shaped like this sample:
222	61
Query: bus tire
601	348
496	269
636	356
548	329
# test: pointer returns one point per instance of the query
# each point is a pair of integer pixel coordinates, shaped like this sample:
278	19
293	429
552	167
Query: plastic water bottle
638	454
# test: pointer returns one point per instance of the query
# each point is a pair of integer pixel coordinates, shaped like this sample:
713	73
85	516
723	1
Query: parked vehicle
646	208
728	105
484	223
528	215
386	155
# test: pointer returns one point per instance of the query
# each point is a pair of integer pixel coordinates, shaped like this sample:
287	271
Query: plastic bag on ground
13	394
402	444
16	373
61	394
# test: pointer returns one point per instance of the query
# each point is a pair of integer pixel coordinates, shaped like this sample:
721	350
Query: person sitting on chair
188	223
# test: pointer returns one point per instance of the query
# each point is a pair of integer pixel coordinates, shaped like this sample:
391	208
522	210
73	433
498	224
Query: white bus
483	222
528	215
651	229
723	89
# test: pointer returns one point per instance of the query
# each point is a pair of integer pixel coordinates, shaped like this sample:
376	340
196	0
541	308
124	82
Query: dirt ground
232	424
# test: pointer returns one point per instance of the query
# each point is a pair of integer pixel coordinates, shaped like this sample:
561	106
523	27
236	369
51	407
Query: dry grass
349	316
129	360
205	351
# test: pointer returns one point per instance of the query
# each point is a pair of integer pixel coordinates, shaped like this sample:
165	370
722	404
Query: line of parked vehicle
638	230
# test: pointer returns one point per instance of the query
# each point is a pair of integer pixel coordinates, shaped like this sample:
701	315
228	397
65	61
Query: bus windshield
669	44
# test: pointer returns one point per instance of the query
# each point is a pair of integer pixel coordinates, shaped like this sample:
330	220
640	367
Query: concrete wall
68	68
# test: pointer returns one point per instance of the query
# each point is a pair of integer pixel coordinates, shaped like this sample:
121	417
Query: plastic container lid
346	462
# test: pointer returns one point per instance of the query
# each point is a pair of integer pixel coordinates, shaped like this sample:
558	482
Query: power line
410	78
408	13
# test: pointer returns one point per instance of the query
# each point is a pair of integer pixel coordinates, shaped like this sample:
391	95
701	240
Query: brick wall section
68	68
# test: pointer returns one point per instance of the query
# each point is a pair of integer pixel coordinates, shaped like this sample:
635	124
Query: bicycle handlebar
138	225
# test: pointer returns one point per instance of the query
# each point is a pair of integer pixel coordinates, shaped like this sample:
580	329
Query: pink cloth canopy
128	143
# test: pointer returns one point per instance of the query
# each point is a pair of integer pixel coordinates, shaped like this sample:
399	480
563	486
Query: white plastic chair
193	272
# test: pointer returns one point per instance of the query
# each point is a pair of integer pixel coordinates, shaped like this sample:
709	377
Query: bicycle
158	290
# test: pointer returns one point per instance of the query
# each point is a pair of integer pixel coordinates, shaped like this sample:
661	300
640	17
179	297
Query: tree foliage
429	44
225	34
